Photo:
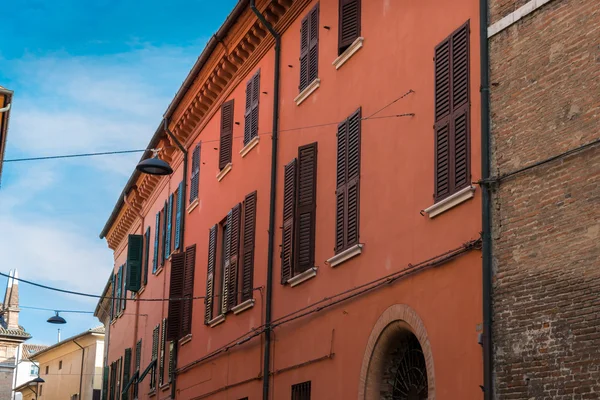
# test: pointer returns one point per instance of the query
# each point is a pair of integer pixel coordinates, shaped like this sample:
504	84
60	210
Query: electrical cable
57	310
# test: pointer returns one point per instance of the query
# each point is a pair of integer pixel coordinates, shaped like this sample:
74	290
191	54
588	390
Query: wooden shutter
126	371
309	48
452	119
156	243
210	274
349	23
175	296
138	355
113	310
163	342
119	290
122	271
306	204
251	112
289	213
155	334
169	224
234	250
226	140
178	215
105	383
347	184
163	235
227	264
171	360
304	53
135	244
195	177
146	255
249	228
188	290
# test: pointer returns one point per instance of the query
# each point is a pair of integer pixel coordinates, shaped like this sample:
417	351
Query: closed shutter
163	343
169	226
146	254
178	215
119	287
452	117
289	213
135	244
163	247
307	188
195	177
234	250
113	307
226	140
176	295
156	243
251	112
171	360
309	48
124	287
227	264
210	274
188	290
105	383
138	355
155	337
126	371
304	51
247	274
349	23
347	185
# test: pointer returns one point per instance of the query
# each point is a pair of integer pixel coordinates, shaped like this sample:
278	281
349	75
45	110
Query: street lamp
154	165
57	319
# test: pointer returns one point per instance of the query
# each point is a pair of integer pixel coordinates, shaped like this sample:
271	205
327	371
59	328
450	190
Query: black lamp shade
57	319
38	380
154	166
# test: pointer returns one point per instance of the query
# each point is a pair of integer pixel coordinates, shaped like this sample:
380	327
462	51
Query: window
146	255
251	113
224	268
169	226
179	195
309	48
163	342
34	370
349	24
347	185
163	240
122	273
41	390
452	119
138	361
247	265
135	252
195	176
126	371
171	359
156	243
155	334
181	286
60	364
299	203
47	368
226	137
301	391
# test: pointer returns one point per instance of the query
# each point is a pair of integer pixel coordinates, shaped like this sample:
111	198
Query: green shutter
123	288
169	229
156	238
114	292
146	255
178	230
105	383
118	296
163	256
134	262
126	371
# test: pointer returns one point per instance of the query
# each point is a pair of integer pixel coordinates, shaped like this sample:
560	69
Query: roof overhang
4	119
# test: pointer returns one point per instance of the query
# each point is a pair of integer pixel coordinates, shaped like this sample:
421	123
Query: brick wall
545	100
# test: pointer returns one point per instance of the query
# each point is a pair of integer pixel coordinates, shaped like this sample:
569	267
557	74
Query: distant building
5	104
12	335
26	369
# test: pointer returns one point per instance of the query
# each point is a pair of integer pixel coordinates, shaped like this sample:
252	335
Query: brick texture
546	100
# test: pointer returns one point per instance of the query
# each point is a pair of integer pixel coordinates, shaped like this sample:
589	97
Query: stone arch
395	321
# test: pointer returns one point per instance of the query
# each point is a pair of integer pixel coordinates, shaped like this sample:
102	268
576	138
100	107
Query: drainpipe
183	213
486	202
269	286
5	109
81	372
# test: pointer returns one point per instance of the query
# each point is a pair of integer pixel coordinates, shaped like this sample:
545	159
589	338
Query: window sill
449	202
314	85
219	319
185	339
158	271
223	172
152	393
251	144
192	205
303	277
350	51
164	387
345	255
243	306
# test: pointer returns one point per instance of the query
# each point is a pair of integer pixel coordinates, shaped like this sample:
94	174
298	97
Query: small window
251	112
34	370
349	24
60	364
41	388
309	48
47	368
301	391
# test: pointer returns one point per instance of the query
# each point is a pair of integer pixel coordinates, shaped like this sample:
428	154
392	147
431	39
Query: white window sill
345	255
251	144
192	205
350	51
243	306
223	172
303	277
314	85
185	339
164	387
219	319
158	271
139	292
449	202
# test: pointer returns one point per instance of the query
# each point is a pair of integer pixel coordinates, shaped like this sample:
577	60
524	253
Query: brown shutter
234	249
210	274
247	273
248	113
349	23
304	47
195	179
176	293
307	188
226	265
188	290
452	103
353	199
226	139
313	63
289	212
255	101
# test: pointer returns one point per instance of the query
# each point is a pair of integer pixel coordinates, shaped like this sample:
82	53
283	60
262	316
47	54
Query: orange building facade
356	271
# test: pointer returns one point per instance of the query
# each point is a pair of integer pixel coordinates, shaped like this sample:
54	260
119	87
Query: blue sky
88	76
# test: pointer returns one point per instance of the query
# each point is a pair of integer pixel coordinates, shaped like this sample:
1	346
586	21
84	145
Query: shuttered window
349	23
126	371
155	338
452	114
138	362
251	111
231	254
156	244
169	220
195	176
171	360
119	296
135	244
113	307
210	274
309	48
163	343
188	290
301	391
249	228
105	376
179	215
176	294
146	256
347	183
299	212
123	287
226	138
163	246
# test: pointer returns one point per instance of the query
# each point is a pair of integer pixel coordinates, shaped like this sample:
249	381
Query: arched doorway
398	364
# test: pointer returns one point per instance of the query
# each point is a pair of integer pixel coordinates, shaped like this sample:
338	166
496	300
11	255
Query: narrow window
309	48
188	290
47	368
223	267
230	292
452	114
156	243
41	390
179	214
169	225
163	343
226	137
247	264
301	391
349	24
251	113
176	291
210	274
155	337
126	371
146	255
60	364
163	240
195	176
135	253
